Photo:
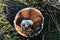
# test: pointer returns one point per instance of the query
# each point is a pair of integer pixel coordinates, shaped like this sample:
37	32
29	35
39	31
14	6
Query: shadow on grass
12	8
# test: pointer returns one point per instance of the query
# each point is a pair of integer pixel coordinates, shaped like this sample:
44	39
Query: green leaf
14	38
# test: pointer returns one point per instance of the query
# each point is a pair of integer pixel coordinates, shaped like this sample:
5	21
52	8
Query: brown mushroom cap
29	14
